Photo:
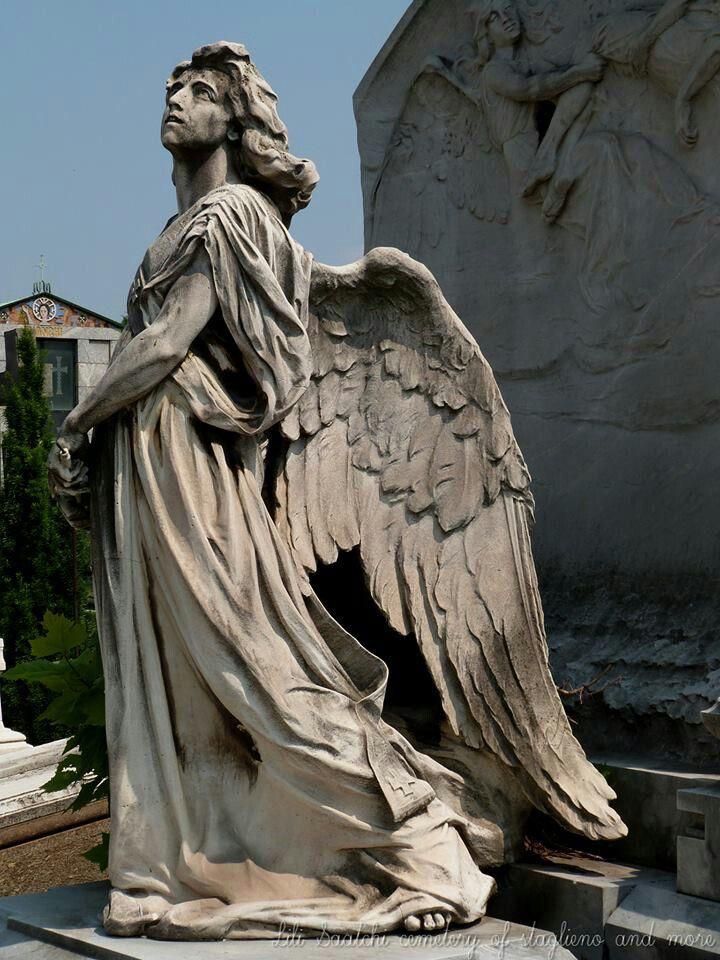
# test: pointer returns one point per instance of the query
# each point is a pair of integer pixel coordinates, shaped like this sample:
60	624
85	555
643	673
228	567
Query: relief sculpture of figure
676	45
475	127
261	414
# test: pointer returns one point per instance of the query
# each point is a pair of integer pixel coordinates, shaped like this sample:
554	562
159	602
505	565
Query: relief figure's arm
515	85
666	17
154	353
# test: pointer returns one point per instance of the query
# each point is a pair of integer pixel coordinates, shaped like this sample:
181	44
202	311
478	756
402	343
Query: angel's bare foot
685	123
542	169
434	922
555	200
129	916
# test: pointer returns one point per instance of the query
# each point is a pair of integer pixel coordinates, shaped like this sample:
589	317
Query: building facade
76	344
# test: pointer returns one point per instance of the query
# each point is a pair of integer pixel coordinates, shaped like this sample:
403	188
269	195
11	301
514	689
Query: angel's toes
413	924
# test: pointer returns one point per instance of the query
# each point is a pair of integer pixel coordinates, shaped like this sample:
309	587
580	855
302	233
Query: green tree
42	564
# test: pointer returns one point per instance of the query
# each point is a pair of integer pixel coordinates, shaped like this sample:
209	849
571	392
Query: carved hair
262	156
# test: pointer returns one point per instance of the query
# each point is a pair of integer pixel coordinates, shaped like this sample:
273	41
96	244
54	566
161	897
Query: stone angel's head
219	95
497	24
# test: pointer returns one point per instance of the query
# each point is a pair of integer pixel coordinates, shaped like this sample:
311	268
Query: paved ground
53	861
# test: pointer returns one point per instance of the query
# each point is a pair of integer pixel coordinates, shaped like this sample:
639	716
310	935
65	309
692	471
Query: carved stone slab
574	224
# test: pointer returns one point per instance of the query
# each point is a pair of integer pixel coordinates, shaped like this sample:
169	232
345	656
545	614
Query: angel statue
261	413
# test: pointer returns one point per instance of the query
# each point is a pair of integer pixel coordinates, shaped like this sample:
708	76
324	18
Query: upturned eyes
203	93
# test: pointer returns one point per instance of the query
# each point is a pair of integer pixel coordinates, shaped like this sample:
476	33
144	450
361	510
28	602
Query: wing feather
406	451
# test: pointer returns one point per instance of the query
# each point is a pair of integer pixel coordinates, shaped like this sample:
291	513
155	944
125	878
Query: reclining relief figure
262	413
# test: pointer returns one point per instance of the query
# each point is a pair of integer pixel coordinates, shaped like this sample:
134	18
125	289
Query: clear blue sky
83	177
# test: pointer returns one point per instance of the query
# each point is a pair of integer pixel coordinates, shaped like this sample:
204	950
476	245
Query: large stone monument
262	414
554	163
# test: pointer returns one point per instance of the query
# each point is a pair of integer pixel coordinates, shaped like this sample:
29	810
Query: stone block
647	802
93	351
698	852
67	919
655	923
571	898
89	374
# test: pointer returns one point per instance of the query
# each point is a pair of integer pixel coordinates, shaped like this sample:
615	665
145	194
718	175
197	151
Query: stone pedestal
698	852
64	923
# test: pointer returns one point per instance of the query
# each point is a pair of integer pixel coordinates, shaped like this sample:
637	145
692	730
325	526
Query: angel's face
197	113
503	24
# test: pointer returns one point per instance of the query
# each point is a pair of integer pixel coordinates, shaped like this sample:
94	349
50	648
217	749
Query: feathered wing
402	445
441	157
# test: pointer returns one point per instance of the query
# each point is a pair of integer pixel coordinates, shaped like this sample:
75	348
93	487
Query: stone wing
402	446
440	160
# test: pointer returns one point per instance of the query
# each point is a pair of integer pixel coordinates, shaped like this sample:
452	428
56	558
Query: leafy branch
67	663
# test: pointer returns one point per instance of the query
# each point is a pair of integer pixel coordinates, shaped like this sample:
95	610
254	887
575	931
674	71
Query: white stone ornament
11	742
282	412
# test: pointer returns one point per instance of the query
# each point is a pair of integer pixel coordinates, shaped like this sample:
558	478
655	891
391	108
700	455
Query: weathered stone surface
594	298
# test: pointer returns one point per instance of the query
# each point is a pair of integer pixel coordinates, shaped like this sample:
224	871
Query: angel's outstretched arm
666	17
510	82
154	353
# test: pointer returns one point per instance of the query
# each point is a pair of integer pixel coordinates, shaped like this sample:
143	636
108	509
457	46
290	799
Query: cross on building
59	372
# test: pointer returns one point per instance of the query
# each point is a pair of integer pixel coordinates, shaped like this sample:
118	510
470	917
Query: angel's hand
591	69
67	462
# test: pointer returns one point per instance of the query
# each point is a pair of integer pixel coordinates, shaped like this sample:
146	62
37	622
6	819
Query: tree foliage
68	667
42	564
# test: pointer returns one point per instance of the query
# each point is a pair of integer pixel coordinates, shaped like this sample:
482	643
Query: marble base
64	923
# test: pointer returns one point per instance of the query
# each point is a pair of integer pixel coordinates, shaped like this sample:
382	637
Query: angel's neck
506	53
196	173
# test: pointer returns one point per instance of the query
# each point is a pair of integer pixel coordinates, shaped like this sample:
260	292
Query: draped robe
255	787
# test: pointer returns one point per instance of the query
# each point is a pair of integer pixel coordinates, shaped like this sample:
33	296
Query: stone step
647	802
573	898
654	923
